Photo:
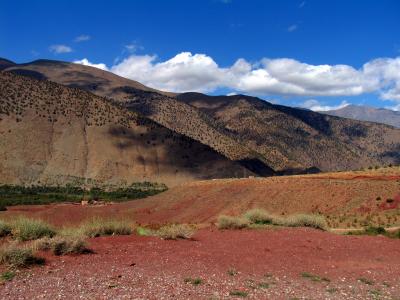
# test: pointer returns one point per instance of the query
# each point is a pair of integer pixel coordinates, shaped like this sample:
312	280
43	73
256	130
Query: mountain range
367	113
64	120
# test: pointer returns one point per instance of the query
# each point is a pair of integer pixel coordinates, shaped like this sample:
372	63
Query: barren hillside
291	138
54	134
159	106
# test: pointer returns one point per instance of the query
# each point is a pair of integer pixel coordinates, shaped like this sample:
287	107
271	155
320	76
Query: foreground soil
262	264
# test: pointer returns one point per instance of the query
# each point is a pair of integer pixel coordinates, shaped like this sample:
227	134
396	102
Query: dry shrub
175	231
5	229
63	245
305	220
16	256
229	222
259	216
25	229
99	227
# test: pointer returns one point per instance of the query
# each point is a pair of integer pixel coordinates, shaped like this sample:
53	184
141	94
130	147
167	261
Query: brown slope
156	105
92	79
366	113
54	134
293	138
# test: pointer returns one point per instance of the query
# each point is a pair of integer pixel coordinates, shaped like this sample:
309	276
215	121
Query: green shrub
16	257
371	230
305	220
99	227
5	229
62	245
7	276
26	229
228	222
259	216
176	231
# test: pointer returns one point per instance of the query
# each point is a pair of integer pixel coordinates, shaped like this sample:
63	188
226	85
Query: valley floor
294	263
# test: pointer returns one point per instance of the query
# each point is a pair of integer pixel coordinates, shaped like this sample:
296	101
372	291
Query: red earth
264	264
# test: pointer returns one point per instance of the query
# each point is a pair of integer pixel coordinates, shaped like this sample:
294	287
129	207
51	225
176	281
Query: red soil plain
273	263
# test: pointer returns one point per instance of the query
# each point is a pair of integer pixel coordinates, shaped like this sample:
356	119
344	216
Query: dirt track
266	264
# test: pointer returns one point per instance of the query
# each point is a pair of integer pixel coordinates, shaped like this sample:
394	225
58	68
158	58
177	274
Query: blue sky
196	45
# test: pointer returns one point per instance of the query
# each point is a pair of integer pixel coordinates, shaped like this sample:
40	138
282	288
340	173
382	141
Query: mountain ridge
367	113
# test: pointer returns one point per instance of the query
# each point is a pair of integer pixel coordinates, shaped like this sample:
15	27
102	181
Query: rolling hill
53	134
367	113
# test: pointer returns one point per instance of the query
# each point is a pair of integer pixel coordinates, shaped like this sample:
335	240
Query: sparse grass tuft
232	272
332	290
16	257
263	285
5	229
99	227
366	280
194	281
63	245
306	220
240	294
175	231
259	216
25	229
314	277
228	222
7	276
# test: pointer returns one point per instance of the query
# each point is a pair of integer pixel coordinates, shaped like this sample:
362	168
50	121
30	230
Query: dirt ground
260	264
347	198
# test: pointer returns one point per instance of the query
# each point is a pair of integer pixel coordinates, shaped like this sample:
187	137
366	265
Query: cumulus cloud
58	49
86	62
82	38
315	105
283	76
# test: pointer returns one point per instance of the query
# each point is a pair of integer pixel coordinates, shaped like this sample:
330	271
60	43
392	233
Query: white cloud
82	38
292	28
184	72
315	105
58	49
282	76
86	62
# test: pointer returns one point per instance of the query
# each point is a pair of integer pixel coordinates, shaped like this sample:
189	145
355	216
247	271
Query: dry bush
25	229
16	256
99	227
63	245
305	220
176	231
259	216
229	222
5	229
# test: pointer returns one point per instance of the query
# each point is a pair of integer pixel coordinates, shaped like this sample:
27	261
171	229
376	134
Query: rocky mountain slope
53	134
260	135
366	113
291	138
159	106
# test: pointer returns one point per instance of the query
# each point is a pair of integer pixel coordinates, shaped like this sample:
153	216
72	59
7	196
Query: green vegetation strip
27	195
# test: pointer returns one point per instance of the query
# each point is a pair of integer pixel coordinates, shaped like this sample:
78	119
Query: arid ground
266	263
